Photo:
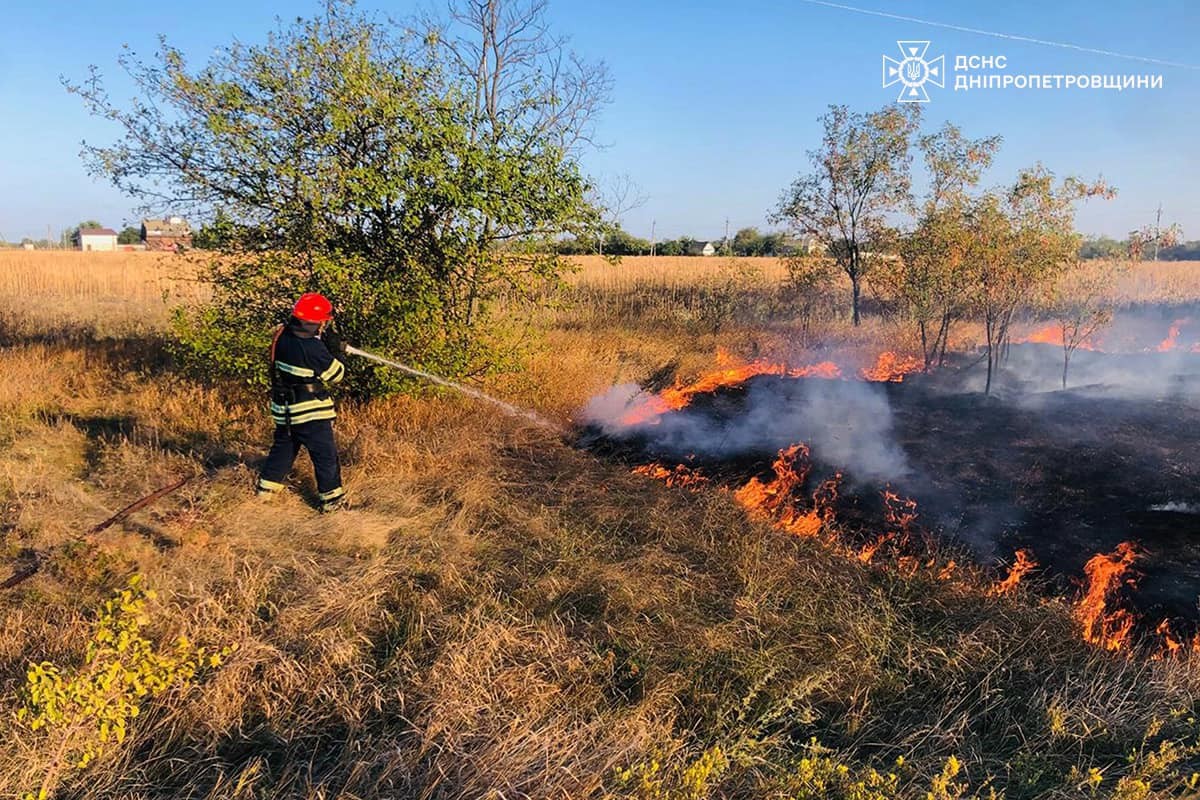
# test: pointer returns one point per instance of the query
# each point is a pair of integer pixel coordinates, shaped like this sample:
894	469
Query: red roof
97	232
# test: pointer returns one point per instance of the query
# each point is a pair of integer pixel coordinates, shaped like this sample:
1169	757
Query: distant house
172	233
96	239
701	249
800	246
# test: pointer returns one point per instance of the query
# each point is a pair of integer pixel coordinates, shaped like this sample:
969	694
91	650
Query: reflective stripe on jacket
301	368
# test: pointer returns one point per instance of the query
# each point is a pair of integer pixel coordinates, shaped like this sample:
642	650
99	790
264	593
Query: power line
999	35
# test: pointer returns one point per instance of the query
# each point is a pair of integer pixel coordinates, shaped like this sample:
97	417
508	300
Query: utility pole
653	224
728	244
1157	230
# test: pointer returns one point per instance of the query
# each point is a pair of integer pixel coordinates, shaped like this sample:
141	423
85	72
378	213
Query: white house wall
95	243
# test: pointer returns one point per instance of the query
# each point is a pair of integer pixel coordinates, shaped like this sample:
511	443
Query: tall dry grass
680	271
503	615
108	292
144	277
1159	282
1147	282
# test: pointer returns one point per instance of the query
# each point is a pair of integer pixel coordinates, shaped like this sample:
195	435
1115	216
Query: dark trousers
317	439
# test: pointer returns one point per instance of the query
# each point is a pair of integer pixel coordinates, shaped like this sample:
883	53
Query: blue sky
715	103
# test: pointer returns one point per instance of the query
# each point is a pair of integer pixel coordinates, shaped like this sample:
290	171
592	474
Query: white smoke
607	409
1128	364
1177	507
1032	368
846	424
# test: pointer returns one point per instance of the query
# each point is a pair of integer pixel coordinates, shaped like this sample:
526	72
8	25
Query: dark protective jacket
301	366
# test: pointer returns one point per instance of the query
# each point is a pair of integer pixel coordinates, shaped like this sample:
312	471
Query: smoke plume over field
845	423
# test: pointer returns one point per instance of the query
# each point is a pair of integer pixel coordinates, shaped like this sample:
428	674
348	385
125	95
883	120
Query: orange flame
825	499
791	467
1105	573
1051	334
1172	336
899	511
868	551
1170	645
1047	334
1021	566
888	367
947	571
825	369
679	475
774	501
891	367
680	395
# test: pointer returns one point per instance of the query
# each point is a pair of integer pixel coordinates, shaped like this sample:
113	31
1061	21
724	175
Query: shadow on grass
211	452
142	351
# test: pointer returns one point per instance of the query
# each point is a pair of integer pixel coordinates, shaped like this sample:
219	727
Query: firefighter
303	360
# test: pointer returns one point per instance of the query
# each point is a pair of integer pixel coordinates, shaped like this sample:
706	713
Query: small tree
1081	302
221	233
807	291
623	243
670	247
748	242
860	175
1018	243
1150	239
1095	247
621	195
929	281
129	235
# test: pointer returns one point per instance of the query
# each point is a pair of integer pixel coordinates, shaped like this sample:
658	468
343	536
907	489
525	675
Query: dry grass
108	292
1147	282
144	277
631	272
1170	282
506	616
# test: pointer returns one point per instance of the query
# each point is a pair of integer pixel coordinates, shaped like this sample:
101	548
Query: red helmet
313	307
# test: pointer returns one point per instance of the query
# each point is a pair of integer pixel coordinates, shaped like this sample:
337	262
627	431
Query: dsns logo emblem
912	72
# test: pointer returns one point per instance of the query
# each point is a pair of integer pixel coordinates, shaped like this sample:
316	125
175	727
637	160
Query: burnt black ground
1066	474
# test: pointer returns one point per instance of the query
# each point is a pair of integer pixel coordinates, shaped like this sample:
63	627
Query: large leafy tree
364	161
859	176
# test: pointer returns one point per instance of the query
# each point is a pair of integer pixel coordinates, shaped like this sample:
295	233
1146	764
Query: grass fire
816	524
698	441
793	494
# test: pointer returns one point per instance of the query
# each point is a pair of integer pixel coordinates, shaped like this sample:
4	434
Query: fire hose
507	408
35	558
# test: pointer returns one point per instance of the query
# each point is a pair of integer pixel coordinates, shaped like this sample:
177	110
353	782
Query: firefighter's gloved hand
334	342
